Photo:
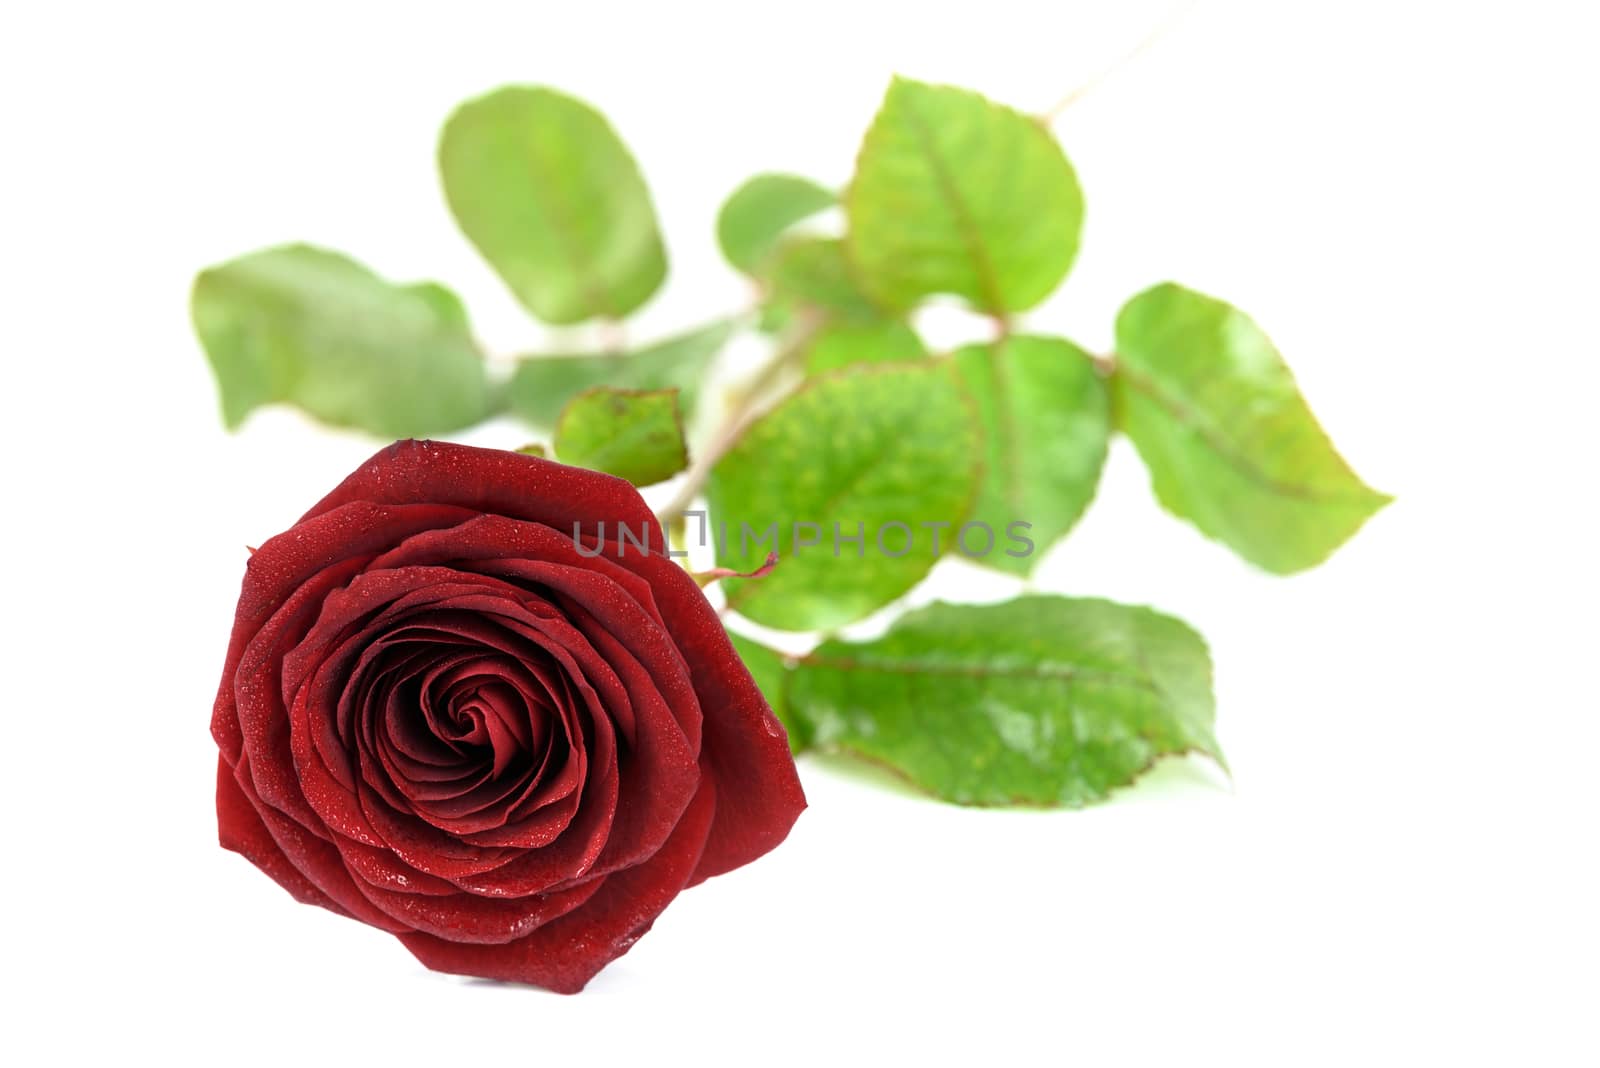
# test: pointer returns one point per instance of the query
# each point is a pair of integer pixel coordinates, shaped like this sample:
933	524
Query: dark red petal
284	562
377	866
615	610
660	773
316	859
619	622
479	610
257	701
240	829
481	920
497	482
743	747
483	542
565	954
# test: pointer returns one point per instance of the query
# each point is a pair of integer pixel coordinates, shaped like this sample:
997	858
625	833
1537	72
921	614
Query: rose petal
284	563
744	747
240	829
496	483
565	954
315	858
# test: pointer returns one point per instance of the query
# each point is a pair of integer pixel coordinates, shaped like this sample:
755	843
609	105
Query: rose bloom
447	715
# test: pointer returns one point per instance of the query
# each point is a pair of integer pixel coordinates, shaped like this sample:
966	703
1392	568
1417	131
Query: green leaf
542	385
1040	700
754	218
548	193
1046	416
814	273
955	194
842	344
315	329
814	276
633	434
852	453
768	668
1229	441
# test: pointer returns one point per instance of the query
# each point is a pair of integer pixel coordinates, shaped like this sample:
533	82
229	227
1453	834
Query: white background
1403	868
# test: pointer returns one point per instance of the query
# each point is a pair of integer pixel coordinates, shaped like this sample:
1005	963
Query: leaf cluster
863	457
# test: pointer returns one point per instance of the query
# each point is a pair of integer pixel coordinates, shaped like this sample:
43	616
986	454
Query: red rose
457	708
